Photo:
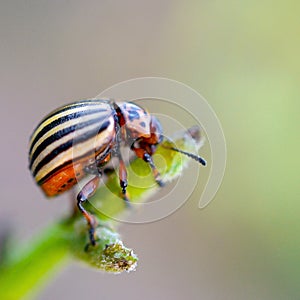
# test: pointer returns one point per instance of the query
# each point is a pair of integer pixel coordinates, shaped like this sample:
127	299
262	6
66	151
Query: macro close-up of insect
80	138
127	132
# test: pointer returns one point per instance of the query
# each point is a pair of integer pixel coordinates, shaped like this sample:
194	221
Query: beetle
80	138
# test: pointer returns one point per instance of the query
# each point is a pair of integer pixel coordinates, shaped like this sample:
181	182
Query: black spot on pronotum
133	115
143	124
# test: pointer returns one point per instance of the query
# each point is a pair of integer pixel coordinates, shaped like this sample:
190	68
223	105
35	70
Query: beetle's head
150	141
156	131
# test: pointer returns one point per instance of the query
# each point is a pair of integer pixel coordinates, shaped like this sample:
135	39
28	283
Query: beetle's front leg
123	181
141	153
86	192
122	170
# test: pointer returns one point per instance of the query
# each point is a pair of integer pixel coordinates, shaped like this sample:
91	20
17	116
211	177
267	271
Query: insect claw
92	236
160	182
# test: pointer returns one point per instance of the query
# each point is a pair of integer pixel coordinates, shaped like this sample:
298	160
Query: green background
243	57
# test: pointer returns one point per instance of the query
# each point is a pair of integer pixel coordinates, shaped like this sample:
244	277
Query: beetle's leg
86	192
122	175
148	158
117	152
141	153
123	180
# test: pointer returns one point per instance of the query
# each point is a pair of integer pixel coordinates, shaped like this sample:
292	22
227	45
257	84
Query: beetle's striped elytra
79	138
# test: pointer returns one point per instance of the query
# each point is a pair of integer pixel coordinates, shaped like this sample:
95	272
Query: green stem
29	265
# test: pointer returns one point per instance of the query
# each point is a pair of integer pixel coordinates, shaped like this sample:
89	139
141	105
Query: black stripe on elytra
82	103
71	161
62	120
67	145
53	171
62	133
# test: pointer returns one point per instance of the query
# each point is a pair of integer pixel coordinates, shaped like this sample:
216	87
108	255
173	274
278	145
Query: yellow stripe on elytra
60	142
63	114
102	139
62	126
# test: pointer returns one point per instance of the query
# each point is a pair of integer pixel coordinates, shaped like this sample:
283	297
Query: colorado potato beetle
80	138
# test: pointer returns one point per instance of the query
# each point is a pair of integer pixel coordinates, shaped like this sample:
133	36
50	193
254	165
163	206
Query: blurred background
243	57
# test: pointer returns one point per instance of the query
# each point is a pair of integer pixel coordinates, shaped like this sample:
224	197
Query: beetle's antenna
197	158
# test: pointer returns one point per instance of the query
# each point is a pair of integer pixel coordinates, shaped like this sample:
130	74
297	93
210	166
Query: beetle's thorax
134	121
